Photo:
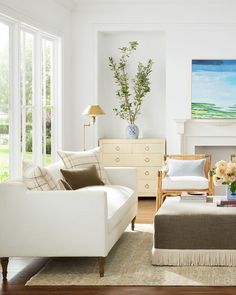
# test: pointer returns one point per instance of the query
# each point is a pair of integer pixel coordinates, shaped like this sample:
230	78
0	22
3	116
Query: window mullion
53	101
14	101
44	100
23	106
57	100
37	109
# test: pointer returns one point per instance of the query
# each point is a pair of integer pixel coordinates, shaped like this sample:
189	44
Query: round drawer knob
146	173
117	160
117	148
147	160
147	148
146	186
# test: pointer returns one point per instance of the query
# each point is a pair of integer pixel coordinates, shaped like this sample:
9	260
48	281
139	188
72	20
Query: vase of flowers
225	174
130	98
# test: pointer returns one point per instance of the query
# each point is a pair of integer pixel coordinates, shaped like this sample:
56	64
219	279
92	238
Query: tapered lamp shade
93	110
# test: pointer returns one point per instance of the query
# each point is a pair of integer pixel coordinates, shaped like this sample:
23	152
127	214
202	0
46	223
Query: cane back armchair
174	186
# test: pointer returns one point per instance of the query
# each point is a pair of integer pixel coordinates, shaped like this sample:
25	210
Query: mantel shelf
213	122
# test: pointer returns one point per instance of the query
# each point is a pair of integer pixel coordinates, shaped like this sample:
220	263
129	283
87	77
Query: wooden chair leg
4	263
101	264
162	199
158	201
133	223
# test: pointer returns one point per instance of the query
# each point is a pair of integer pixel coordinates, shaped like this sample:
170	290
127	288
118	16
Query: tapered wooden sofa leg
101	264
133	223
4	263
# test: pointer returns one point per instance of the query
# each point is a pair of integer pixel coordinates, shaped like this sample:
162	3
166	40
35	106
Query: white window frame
15	28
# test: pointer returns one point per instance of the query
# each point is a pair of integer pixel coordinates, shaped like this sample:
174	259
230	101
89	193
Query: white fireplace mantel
214	132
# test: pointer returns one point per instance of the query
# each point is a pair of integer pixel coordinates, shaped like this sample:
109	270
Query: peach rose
232	178
221	164
220	172
231	168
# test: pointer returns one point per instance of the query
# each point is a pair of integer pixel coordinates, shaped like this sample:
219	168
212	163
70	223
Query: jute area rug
129	263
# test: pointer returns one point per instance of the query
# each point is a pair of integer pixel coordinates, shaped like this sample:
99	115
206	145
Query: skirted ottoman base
194	233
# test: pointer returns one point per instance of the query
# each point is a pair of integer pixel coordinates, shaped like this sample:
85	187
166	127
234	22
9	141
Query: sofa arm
53	223
126	176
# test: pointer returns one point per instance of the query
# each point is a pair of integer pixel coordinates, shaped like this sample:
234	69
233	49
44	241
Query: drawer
148	148
147	186
117	160
119	148
147	172
148	160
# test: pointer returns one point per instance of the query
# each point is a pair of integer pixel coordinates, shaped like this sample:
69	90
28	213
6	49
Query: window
27	100
4	102
29	96
47	57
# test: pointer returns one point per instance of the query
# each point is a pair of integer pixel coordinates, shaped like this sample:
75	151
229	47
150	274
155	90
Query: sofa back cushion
78	178
77	160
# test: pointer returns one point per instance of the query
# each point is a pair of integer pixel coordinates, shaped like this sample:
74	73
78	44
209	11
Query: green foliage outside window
4	94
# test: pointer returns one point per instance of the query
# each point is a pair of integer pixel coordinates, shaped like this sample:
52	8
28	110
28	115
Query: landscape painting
213	89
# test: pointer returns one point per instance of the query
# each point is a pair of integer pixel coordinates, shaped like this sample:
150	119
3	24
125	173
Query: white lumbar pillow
38	178
76	160
186	167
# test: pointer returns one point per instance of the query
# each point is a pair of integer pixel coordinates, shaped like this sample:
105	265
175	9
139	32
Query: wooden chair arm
162	172
210	175
211	184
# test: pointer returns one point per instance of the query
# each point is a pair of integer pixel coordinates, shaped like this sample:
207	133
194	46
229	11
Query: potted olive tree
130	96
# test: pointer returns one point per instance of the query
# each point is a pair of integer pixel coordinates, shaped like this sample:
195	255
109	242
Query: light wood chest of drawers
145	154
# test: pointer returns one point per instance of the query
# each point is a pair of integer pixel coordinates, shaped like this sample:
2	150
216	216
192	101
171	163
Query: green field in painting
211	111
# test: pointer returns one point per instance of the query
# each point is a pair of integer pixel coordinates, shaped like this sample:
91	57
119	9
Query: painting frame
213	94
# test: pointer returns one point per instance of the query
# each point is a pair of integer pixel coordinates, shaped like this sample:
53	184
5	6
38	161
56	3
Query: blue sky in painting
214	81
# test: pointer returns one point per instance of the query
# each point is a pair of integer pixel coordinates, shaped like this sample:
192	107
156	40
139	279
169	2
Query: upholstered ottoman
194	233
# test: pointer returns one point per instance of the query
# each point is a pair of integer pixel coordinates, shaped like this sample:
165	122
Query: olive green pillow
78	178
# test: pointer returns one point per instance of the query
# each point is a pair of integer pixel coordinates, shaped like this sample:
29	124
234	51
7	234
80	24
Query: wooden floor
20	270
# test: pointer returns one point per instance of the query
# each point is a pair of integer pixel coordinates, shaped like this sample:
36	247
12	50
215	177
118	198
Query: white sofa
85	222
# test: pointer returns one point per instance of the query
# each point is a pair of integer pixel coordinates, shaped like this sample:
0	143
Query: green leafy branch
130	105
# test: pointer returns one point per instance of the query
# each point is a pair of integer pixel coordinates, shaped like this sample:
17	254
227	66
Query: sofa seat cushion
119	201
184	182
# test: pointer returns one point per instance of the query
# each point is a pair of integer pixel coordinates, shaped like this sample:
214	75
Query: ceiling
69	4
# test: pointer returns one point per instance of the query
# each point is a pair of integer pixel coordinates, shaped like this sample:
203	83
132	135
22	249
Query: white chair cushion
186	167
119	201
184	182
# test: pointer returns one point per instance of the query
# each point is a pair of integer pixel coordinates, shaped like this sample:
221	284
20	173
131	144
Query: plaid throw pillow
37	178
76	160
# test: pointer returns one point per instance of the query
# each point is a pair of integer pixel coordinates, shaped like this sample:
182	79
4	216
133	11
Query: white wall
151	121
193	29
171	32
183	46
55	19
